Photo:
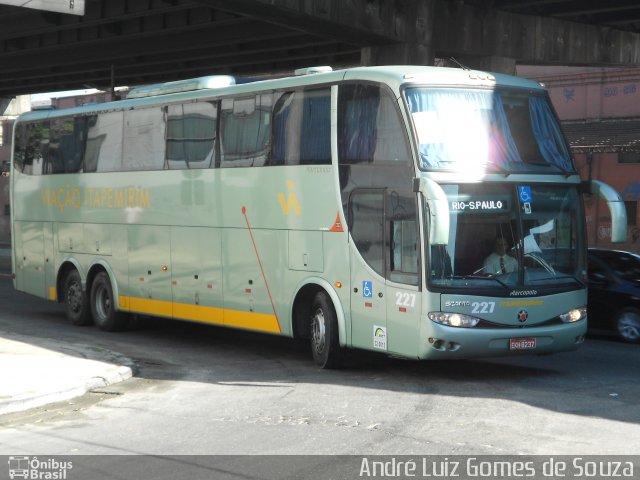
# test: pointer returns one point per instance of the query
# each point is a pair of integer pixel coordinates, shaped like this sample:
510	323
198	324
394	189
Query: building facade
8	114
600	114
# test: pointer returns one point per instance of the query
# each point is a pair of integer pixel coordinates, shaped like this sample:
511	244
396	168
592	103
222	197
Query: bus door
367	258
385	299
402	290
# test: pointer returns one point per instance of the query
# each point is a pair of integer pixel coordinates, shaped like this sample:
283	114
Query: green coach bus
358	208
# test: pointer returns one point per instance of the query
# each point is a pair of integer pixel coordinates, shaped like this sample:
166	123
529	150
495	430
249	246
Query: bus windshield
509	236
487	131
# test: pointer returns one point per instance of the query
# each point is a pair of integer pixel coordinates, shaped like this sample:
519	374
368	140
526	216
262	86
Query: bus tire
325	344
103	309
76	303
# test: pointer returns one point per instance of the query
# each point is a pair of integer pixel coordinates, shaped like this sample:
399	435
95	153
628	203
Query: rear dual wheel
103	308
96	306
76	304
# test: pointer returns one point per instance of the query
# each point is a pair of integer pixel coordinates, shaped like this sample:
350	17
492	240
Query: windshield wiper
479	277
546	279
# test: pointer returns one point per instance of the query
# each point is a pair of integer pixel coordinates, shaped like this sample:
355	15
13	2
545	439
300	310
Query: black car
614	293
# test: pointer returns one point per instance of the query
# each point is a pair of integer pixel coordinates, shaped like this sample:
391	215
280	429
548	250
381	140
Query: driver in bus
499	261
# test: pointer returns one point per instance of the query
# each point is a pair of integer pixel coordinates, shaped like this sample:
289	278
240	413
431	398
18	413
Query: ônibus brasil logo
36	469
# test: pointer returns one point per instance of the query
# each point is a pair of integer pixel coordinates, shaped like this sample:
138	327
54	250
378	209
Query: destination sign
479	205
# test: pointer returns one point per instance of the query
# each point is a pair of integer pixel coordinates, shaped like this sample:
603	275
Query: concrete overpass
129	42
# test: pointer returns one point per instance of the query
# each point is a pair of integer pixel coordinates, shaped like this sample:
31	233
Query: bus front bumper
442	342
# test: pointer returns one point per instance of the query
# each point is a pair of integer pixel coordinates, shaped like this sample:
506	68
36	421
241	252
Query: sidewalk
32	376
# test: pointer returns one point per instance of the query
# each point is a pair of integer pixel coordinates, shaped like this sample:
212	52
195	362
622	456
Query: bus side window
103	149
20	153
191	135
144	139
302	128
245	131
366	224
404	251
32	139
66	143
403	240
370	129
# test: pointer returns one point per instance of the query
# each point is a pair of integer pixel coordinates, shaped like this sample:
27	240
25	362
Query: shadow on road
578	383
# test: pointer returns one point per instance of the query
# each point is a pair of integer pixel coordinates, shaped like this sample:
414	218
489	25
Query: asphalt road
207	390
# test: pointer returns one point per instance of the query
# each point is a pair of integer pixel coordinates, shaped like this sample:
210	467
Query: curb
106	368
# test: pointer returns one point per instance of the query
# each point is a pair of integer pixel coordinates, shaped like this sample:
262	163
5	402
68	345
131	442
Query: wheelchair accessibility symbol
524	192
367	289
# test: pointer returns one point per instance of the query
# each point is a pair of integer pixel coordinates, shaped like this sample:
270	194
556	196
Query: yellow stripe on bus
263	322
522	303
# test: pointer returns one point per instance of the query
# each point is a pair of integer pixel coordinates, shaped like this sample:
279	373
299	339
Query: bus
354	208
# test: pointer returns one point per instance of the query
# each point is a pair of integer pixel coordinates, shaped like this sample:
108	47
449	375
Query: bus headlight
454	319
574	315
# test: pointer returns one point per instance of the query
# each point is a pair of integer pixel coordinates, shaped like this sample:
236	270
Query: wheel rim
318	331
103	303
629	326
74	297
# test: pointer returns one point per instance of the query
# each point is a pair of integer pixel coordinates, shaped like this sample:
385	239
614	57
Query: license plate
522	343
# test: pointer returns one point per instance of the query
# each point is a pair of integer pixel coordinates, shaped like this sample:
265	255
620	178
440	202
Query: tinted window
144	139
367	227
369	126
624	265
191	135
245	128
302	128
66	143
103	150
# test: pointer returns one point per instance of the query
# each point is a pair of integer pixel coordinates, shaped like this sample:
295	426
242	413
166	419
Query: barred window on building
629	157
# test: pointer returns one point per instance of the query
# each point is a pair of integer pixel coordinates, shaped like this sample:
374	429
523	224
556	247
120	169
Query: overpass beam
469	30
387	32
489	63
397	54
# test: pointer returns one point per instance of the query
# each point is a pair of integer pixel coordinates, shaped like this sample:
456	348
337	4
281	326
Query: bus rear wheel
76	304
103	307
325	344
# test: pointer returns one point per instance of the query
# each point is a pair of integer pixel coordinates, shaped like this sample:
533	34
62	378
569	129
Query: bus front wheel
325	344
76	304
103	307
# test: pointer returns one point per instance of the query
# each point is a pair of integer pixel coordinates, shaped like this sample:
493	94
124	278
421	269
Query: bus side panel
149	270
253	278
196	274
97	238
29	251
336	270
49	261
305	251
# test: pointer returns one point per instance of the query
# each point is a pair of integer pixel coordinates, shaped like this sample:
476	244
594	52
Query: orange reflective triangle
337	225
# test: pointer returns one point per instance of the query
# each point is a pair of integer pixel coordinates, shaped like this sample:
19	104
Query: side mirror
438	206
6	169
616	207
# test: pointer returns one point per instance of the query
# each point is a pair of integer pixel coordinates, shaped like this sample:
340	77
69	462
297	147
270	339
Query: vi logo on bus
290	202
